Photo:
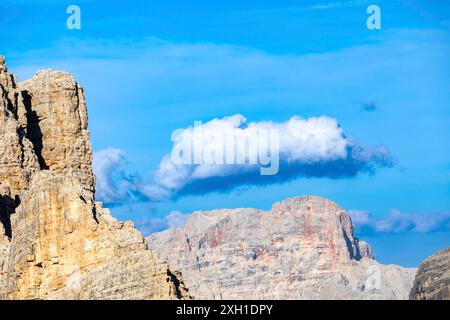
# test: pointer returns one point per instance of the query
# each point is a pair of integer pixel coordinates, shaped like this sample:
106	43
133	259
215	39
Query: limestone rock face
17	159
56	242
58	124
303	248
432	281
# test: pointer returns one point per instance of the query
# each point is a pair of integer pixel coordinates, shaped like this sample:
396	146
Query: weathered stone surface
58	124
56	242
303	248
17	159
5	210
56	238
432	281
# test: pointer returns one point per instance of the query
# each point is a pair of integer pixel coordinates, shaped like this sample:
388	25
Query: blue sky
150	67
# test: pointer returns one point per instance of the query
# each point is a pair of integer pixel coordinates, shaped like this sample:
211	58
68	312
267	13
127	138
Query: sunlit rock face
56	242
303	248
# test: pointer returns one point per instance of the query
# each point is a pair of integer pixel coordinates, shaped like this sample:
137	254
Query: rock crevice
432	281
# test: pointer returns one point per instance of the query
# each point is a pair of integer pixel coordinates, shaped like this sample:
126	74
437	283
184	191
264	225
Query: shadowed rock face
432	281
56	242
17	158
303	248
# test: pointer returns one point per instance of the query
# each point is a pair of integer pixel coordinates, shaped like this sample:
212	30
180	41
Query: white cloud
314	147
398	222
105	164
114	185
336	4
360	217
174	219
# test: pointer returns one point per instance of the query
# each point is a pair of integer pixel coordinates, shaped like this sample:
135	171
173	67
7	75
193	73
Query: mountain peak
304	248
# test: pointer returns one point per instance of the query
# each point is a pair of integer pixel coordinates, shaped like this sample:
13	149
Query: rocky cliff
56	242
432	281
303	248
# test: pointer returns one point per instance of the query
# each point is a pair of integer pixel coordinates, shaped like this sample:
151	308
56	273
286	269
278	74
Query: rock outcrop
303	248
58	125
432	281
56	242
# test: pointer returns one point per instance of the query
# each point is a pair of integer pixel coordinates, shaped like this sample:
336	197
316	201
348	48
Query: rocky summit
432	281
304	248
56	242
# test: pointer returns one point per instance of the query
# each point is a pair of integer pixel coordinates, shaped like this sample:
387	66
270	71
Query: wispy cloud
115	186
360	217
337	4
398	222
306	8
173	219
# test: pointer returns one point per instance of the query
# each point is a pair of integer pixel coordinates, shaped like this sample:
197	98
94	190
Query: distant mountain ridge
304	248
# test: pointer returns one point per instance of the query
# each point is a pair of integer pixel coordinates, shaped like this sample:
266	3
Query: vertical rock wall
56	242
